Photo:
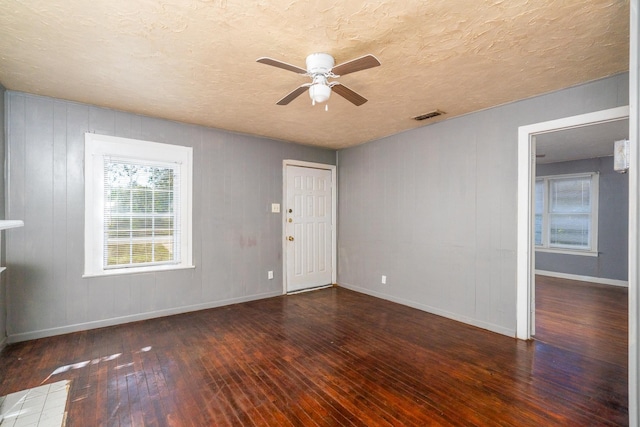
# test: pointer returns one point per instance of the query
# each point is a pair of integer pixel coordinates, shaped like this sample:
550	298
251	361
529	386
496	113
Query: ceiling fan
320	67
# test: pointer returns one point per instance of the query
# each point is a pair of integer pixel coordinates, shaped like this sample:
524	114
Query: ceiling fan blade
294	94
358	64
348	94
280	64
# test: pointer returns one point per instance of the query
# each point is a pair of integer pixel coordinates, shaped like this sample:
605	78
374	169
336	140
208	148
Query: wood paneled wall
236	237
434	208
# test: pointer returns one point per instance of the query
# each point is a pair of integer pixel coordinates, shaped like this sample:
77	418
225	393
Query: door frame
334	211
634	212
525	251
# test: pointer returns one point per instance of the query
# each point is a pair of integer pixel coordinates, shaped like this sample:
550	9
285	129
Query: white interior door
308	227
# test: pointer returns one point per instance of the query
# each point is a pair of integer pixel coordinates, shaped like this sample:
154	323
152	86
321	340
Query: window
566	211
137	206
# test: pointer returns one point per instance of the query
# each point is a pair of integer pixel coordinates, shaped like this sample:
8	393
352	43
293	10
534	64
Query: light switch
275	207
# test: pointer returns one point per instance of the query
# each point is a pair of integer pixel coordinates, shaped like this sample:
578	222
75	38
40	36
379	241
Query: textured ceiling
194	60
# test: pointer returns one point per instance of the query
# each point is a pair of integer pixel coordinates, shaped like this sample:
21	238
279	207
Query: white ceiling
584	142
194	60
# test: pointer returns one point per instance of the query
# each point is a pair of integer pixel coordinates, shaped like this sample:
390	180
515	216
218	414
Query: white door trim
634	213
334	211
526	176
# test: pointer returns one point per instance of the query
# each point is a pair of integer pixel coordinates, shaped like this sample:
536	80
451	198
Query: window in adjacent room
566	213
137	205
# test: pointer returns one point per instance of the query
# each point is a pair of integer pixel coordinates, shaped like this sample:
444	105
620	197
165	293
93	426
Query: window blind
539	211
141	221
570	212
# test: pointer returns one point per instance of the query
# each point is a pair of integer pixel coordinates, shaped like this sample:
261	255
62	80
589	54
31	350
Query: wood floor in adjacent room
329	357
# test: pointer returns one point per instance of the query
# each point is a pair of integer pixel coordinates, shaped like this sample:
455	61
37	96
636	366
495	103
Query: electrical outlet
270	275
384	280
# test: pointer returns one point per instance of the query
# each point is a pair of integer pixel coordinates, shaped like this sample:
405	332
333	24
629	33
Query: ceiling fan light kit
320	67
319	92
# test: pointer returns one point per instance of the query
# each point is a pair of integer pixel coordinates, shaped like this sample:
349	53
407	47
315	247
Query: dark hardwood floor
582	317
329	357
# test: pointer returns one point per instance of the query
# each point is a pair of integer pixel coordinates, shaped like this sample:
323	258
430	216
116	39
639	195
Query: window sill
138	270
7	223
567	252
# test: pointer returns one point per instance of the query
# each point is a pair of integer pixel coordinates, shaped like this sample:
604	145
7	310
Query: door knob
290	238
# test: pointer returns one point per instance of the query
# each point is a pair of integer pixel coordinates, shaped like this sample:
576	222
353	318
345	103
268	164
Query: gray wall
236	237
613	223
3	286
434	209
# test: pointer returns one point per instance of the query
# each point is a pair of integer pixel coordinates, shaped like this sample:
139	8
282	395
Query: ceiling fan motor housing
319	63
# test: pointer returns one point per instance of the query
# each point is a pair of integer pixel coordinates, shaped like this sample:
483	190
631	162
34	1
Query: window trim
96	148
593	244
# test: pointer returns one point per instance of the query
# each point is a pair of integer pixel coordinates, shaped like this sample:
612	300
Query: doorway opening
580	298
527	135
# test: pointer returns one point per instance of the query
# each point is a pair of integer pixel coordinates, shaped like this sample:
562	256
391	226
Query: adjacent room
218	212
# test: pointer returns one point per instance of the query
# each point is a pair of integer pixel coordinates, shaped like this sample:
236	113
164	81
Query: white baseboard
43	333
443	313
599	280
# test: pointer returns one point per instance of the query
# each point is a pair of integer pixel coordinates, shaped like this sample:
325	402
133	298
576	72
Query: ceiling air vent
434	113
